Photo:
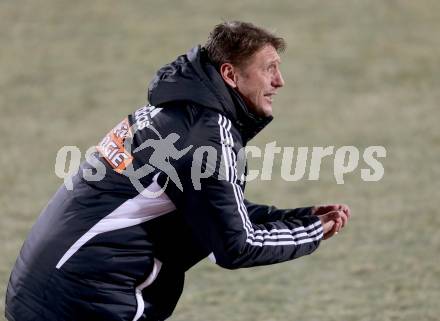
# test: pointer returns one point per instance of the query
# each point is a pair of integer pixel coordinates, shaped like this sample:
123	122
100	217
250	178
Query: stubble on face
258	80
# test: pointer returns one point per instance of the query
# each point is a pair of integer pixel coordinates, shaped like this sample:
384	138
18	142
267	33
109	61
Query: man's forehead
267	54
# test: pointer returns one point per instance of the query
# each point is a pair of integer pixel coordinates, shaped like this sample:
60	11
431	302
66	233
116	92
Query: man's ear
227	71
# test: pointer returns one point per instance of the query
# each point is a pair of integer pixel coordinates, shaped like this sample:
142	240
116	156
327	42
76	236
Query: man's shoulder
192	121
215	128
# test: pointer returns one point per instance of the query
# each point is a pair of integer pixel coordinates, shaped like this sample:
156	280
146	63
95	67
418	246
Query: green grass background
357	73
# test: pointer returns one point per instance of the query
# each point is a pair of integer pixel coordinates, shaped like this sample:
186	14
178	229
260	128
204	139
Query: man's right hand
333	217
331	223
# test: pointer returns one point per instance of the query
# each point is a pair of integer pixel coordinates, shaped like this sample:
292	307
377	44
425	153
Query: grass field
357	73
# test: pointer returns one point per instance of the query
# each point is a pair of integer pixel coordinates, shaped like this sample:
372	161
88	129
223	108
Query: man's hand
333	217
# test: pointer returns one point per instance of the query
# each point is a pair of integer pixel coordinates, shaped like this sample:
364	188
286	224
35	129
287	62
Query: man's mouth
269	96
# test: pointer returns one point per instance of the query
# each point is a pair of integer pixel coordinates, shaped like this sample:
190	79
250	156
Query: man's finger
344	218
331	222
346	210
332	231
328	227
338	225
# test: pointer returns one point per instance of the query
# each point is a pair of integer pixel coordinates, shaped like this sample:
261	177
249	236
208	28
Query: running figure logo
163	150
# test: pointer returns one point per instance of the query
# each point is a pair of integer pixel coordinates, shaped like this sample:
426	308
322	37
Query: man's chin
261	111
266	111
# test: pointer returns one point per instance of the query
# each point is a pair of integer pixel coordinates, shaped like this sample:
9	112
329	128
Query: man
117	248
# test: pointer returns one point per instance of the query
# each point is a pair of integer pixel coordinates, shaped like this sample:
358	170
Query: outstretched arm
259	213
332	222
218	217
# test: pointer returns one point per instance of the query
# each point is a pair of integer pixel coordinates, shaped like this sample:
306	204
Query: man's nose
278	80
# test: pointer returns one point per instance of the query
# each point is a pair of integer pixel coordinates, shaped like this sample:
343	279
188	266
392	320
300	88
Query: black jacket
107	251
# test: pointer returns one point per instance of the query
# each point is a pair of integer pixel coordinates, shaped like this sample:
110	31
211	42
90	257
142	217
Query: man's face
259	79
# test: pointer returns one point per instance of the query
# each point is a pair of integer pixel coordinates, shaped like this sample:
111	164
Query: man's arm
218	216
259	213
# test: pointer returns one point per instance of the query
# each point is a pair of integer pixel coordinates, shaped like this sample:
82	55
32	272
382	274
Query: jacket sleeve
217	214
259	213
